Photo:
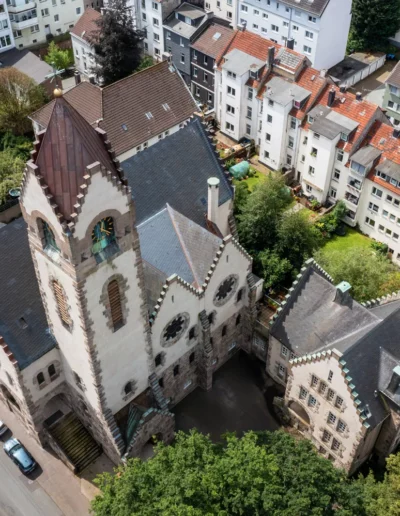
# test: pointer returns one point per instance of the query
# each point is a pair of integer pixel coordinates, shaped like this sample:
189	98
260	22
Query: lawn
352	239
251	181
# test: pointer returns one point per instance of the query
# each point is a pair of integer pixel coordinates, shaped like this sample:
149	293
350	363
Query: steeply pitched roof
86	27
213	40
122	106
175	171
173	244
68	146
29	338
26	62
311	320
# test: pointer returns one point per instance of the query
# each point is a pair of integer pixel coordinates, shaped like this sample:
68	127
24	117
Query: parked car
22	458
3	428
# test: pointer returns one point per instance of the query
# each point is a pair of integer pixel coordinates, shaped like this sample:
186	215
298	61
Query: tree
242	192
57	57
297	238
19	97
274	269
258	474
117	46
257	224
366	271
11	170
373	22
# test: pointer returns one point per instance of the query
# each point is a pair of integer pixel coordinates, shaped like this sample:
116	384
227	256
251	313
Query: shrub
380	247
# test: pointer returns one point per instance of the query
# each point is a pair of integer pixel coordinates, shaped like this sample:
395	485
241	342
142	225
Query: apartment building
81	38
316	28
224	9
6	35
149	18
391	99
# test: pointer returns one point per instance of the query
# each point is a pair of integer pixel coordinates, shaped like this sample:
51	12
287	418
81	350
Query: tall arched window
49	239
62	305
40	378
103	238
114	298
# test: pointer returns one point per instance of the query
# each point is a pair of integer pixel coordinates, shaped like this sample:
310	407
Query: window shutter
115	303
62	304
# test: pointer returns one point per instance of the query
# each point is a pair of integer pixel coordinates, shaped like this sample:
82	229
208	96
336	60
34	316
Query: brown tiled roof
394	77
68	146
310	80
86	27
122	106
85	98
207	44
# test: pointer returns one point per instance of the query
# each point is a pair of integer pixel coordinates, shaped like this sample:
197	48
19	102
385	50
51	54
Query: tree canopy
57	57
117	45
258	474
19	97
373	22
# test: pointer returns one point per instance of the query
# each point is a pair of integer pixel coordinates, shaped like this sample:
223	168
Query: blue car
22	458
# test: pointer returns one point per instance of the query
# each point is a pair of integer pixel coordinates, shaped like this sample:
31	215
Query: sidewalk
56	479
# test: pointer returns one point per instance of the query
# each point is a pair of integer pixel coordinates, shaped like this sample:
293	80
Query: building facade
82	36
6	33
391	99
308	25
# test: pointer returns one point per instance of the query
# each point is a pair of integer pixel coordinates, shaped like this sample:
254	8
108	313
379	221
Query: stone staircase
75	441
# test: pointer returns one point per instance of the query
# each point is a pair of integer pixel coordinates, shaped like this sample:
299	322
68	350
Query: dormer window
310	119
254	75
297	104
232	75
360	169
344	137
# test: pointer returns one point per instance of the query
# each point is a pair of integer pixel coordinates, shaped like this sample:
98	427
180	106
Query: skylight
149	116
124	127
216	36
166	107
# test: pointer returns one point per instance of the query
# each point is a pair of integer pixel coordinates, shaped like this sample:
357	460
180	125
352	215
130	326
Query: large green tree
19	97
58	57
117	45
261	212
373	22
259	474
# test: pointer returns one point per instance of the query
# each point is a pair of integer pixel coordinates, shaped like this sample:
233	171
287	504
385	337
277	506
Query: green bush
380	247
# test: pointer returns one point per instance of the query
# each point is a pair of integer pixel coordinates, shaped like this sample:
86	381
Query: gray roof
370	363
182	28
329	123
394	77
389	168
366	155
21	298
347	123
314	6
175	170
383	311
327	128
311	320
173	244
282	92
288	59
239	62
26	62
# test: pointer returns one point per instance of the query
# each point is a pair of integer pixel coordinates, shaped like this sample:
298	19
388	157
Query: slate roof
173	244
123	105
175	170
208	44
27	63
314	6
312	321
21	298
68	146
86	27
394	77
371	361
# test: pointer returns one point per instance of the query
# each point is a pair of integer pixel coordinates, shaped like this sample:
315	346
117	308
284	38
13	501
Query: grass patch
251	181
342	243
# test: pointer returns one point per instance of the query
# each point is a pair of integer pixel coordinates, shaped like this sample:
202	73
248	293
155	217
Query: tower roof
68	146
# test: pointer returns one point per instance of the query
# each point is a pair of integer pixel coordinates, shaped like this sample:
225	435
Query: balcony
351	198
355	185
24	20
19	7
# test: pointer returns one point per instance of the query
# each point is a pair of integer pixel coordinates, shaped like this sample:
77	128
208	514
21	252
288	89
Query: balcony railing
24	20
18	7
351	198
354	183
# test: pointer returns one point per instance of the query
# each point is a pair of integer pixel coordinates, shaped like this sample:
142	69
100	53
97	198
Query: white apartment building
316	28
150	17
6	36
81	36
32	22
224	9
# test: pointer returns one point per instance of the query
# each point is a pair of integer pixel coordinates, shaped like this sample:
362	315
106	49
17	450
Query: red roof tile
86	27
210	46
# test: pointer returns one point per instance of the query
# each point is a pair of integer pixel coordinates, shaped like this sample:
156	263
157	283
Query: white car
3	428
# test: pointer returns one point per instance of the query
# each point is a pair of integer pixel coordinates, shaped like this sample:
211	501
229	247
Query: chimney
394	381
343	296
166	56
331	97
342	89
77	76
271	57
358	95
213	199
92	78
323	73
290	43
242	26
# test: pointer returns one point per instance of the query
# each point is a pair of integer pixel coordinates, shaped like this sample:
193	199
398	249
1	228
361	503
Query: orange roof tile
310	80
86	26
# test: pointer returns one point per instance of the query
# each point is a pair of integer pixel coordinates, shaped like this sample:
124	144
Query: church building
125	287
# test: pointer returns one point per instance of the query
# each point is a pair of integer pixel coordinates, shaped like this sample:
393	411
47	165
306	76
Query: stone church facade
123	317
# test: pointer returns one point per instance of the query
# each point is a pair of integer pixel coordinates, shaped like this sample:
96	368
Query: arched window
40	379
238	318
62	306
52	371
114	298
103	238
128	388
239	295
49	239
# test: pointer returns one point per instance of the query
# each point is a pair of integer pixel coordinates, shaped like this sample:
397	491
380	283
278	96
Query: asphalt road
22	495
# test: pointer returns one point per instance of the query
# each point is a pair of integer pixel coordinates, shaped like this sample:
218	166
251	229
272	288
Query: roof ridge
133	74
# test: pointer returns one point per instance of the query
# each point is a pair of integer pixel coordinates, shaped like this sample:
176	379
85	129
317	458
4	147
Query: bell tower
85	249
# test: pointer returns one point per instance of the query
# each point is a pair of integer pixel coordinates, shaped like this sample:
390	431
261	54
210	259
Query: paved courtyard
235	403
